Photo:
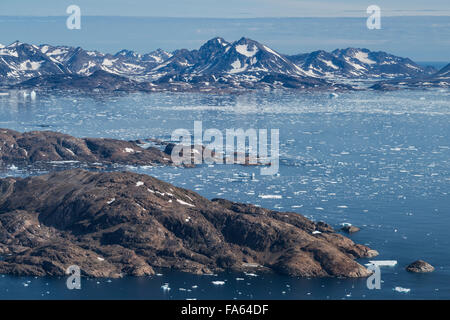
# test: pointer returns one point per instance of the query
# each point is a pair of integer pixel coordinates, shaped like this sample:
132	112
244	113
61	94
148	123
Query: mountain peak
15	44
125	52
246	40
219	40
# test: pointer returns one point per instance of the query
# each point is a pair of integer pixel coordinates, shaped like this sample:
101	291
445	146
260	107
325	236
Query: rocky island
419	266
113	224
46	146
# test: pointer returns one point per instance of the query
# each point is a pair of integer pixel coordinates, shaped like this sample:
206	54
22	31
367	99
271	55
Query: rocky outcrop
205	155
46	146
350	229
420	266
120	223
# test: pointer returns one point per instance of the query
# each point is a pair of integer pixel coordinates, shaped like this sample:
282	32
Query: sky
225	8
416	29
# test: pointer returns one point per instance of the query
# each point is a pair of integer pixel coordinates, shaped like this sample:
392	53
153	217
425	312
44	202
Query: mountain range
217	64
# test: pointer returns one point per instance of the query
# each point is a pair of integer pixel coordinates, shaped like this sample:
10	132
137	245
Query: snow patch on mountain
246	51
237	67
364	57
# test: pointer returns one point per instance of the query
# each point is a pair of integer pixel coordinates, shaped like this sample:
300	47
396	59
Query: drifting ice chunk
165	287
250	274
218	283
346	224
334	95
402	290
270	196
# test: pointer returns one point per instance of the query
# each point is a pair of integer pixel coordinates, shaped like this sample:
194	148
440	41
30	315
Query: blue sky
225	8
419	30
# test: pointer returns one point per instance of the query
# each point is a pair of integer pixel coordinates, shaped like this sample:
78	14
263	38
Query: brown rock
350	229
117	223
47	146
420	266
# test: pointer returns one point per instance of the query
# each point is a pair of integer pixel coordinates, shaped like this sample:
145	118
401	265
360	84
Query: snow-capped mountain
357	63
243	56
219	57
444	73
125	62
440	79
241	64
21	61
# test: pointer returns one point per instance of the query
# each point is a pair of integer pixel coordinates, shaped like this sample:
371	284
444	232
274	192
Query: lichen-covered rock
120	223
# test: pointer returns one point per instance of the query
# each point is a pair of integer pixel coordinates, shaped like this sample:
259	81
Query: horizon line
230	18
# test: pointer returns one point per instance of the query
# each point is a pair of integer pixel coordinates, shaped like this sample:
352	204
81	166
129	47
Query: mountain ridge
216	65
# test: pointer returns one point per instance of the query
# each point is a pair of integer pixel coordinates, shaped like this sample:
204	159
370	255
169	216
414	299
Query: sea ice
402	290
270	196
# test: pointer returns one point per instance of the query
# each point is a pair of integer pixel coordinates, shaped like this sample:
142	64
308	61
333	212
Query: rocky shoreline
113	224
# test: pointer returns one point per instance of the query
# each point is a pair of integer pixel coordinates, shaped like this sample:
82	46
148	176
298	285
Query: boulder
350	229
420	266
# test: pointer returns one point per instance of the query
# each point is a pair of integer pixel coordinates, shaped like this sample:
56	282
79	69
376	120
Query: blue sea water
377	160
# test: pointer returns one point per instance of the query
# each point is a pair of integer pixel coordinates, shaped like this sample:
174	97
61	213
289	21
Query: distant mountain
125	62
243	56
444	72
440	79
358	63
99	80
21	61
217	64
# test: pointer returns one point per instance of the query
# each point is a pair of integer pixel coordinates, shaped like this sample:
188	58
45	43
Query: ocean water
380	161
